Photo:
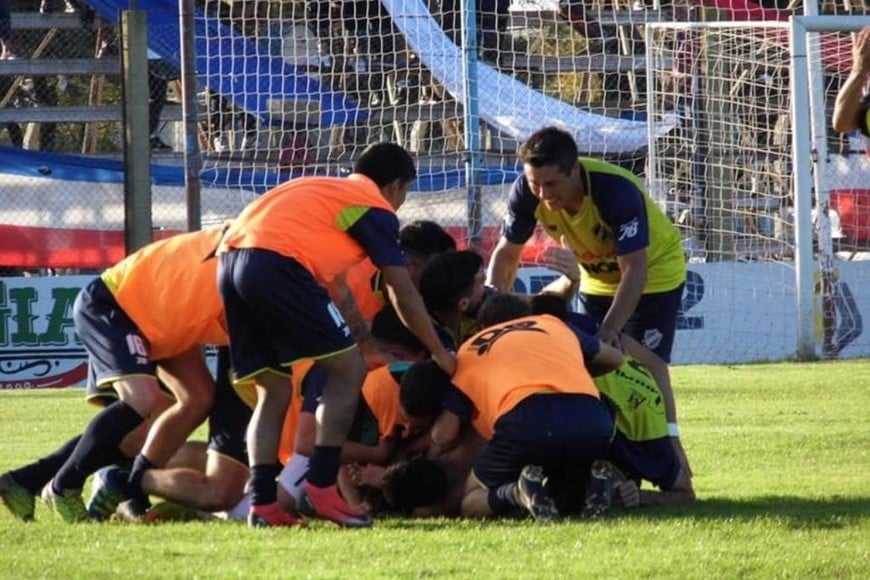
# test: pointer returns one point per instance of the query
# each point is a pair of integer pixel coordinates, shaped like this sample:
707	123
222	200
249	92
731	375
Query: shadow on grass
798	512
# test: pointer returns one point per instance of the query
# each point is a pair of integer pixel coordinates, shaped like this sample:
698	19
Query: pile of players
364	368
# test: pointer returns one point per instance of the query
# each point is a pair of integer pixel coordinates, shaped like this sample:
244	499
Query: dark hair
415	483
550	146
388	327
548	303
423	388
384	163
449	277
501	307
424	239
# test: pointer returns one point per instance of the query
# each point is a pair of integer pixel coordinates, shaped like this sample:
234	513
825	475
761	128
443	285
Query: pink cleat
327	503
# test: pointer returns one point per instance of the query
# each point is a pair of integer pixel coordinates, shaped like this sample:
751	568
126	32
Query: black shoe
532	494
599	489
133	510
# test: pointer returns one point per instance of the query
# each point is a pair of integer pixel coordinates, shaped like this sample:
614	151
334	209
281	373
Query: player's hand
610	336
627	493
447	362
561	258
861	52
368	475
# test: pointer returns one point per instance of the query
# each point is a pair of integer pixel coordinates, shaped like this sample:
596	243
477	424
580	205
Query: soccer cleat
325	502
599	489
17	498
67	504
532	494
107	491
134	511
271	515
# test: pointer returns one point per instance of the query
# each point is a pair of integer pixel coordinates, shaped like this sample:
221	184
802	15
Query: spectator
160	73
492	16
6	51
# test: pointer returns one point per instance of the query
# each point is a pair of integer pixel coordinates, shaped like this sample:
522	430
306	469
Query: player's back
307	219
169	290
505	363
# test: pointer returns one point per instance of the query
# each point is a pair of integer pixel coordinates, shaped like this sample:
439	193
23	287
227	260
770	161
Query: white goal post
747	173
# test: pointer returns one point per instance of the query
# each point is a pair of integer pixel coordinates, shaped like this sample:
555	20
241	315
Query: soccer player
143	322
452	287
646	442
520	385
379	423
274	262
852	107
360	293
213	481
633	268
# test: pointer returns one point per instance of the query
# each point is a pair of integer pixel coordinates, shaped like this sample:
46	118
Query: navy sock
35	475
134	484
263	487
503	498
98	446
323	469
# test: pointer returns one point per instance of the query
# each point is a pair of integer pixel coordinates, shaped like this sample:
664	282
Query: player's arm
377	231
410	308
680	493
623	209
849	104
517	227
598	356
562	259
503	265
342	297
633	269
659	371
446	432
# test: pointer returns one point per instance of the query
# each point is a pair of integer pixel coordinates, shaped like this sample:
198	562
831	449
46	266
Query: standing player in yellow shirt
631	260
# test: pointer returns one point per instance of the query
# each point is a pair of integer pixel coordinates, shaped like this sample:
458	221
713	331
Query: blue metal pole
473	154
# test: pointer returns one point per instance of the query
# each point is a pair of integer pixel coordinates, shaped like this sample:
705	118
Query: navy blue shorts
276	312
654	322
229	415
654	460
563	433
116	348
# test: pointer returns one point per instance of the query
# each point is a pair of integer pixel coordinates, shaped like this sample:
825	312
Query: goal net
302	87
753	174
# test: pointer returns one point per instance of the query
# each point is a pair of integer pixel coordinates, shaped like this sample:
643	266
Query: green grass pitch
781	455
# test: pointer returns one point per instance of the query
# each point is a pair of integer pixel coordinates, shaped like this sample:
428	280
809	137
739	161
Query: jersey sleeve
622	206
459	404
589	343
582	322
377	231
519	222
